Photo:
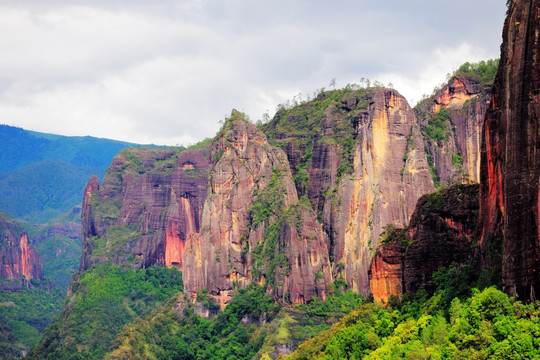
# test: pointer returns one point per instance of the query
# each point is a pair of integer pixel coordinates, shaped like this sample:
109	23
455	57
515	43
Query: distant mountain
42	175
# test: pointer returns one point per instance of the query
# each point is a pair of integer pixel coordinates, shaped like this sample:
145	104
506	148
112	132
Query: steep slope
28	300
144	209
19	260
480	325
253	226
359	157
440	233
510	170
451	122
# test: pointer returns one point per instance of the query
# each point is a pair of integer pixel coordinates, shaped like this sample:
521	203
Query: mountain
20	260
458	321
223	250
451	122
441	233
247	211
510	157
42	175
28	299
358	157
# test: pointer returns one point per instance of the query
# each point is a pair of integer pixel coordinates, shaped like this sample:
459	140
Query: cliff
144	209
510	155
19	261
440	233
358	156
451	122
254	229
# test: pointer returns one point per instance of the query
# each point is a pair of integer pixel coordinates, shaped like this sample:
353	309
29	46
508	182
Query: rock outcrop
441	232
253	227
359	157
145	208
510	164
19	261
451	123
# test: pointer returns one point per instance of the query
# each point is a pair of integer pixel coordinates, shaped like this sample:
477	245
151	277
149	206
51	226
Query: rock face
510	169
145	208
18	259
253	227
358	156
386	272
451	123
441	232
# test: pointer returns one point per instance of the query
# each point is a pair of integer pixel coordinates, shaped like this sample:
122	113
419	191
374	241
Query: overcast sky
166	72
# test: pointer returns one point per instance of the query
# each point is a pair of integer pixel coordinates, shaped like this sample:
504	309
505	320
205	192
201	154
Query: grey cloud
168	71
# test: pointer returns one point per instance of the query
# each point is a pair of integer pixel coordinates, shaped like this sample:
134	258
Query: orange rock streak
25	266
174	247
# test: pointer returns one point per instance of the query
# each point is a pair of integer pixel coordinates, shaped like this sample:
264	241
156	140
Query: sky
168	72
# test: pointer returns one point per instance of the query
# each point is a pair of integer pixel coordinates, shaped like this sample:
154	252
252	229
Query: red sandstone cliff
18	259
441	232
455	116
510	163
253	228
145	208
359	157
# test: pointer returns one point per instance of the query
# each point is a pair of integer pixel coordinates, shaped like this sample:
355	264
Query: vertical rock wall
510	169
18	259
365	165
455	154
253	228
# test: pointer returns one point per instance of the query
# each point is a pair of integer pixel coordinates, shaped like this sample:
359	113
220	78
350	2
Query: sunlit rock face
253	228
386	272
145	208
460	107
366	167
18	259
510	163
441	233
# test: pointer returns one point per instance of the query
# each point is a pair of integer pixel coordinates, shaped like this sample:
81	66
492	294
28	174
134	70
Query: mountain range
404	223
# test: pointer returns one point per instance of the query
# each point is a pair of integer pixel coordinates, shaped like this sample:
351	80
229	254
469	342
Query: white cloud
169	71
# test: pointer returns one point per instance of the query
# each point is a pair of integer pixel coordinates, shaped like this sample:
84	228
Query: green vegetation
42	191
472	325
269	208
457	160
42	176
432	170
306	124
104	300
24	314
251	326
393	234
111	244
438	126
483	72
61	257
168	334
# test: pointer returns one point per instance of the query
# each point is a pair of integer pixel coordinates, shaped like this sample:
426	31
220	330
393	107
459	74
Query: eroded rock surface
451	124
19	260
253	228
145	208
441	233
510	168
359	157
